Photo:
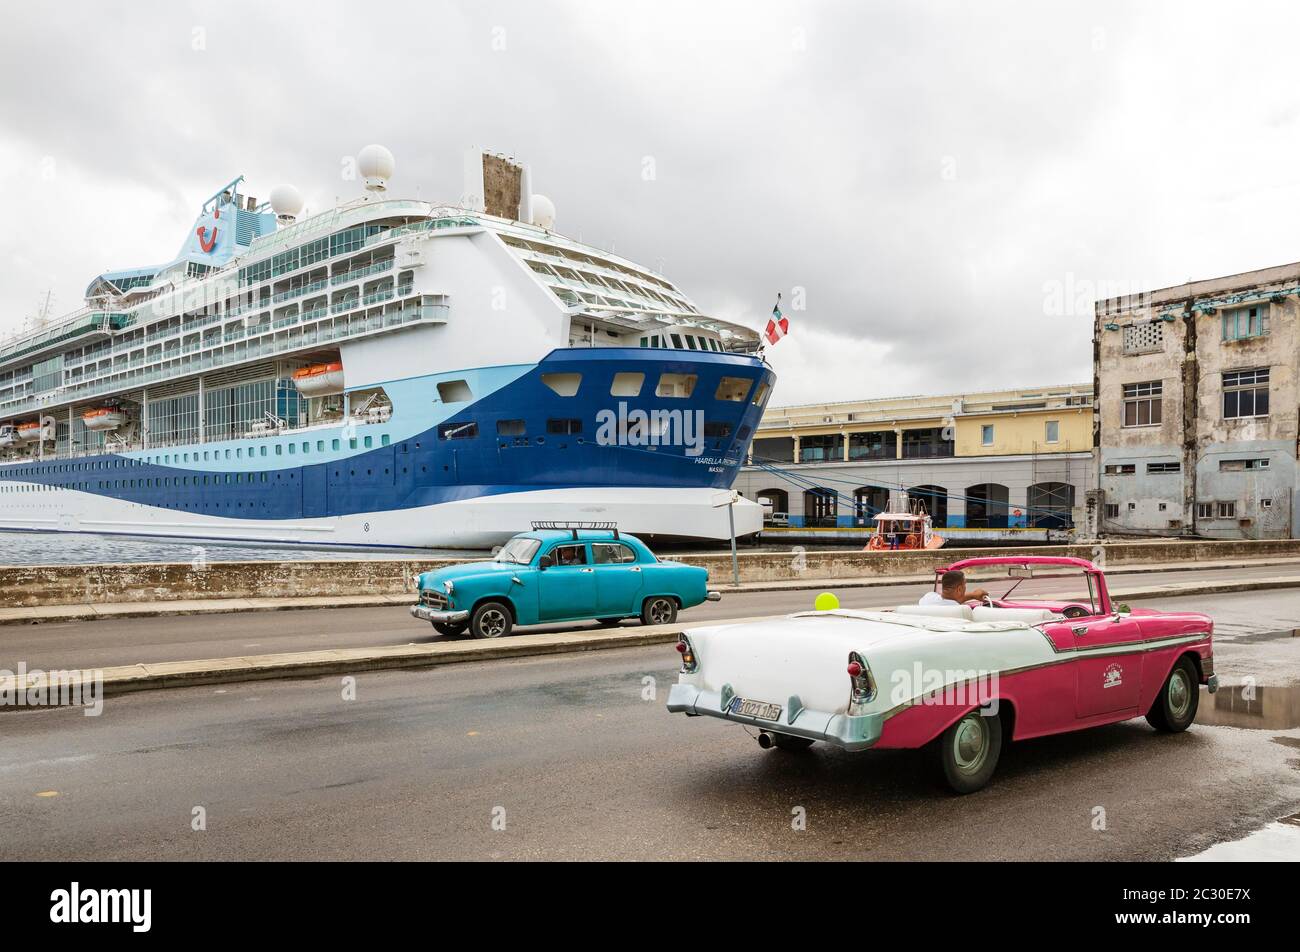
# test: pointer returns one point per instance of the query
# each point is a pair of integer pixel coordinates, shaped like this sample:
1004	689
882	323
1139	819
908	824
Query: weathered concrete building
1196	412
1007	464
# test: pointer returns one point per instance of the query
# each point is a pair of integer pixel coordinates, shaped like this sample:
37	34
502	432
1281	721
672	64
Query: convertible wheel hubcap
659	612
492	623
970	745
1180	694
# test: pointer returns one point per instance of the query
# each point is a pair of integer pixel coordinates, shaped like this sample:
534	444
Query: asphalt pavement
575	757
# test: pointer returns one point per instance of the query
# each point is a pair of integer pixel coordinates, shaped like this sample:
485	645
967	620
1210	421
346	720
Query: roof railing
573	526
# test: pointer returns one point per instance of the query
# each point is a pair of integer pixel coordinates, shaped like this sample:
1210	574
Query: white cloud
924	169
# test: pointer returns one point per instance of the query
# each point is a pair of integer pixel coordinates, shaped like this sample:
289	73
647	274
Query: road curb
128	679
308	664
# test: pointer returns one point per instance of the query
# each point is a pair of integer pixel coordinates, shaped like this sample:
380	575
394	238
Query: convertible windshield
518	551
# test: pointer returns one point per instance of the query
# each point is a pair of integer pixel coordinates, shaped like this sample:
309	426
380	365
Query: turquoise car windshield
519	551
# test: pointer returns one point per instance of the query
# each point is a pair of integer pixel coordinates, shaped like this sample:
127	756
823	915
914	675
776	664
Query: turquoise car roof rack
570	526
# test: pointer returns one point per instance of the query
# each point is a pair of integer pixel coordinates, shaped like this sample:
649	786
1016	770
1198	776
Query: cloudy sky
941	187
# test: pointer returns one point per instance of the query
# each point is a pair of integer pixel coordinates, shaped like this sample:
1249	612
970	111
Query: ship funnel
376	164
286	202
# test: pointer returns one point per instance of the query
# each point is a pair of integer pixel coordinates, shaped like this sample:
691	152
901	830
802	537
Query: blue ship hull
464	473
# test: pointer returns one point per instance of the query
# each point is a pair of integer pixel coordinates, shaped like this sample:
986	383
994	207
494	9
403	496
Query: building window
1226	510
1240	465
1121	469
1132	507
1205	510
986	435
881	444
1240	323
927	444
1142	403
1245	393
821	449
1112	510
1266	504
1053	434
1144	338
1164	467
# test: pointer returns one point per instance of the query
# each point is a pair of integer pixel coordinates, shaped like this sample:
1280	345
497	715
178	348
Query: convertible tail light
862	686
689	662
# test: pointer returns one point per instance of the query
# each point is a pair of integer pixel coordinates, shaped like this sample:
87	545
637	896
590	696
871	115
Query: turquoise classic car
557	575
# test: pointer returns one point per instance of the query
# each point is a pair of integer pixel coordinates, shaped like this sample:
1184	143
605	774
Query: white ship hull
478	523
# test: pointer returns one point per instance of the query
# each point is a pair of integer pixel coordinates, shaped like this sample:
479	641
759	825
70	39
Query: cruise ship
389	372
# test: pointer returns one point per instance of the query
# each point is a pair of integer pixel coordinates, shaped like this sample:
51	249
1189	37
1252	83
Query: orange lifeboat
103	418
318	380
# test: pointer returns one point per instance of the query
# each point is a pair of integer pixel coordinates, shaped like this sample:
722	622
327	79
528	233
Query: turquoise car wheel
491	620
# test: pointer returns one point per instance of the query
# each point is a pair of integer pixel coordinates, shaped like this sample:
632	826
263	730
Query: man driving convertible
953	591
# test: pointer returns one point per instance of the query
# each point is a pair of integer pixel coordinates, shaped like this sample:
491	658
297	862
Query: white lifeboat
28	431
104	418
7	436
319	380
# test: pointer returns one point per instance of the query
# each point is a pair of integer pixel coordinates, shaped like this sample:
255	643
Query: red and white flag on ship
779	325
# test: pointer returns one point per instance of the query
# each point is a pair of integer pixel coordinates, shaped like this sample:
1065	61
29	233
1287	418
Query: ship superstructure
387	372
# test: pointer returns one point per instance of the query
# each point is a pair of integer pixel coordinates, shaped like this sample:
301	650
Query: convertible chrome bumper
713	596
841	730
441	617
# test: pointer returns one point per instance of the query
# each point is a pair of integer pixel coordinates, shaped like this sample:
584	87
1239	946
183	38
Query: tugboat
904	525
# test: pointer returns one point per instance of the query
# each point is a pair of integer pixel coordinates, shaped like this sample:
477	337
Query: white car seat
1029	616
937	611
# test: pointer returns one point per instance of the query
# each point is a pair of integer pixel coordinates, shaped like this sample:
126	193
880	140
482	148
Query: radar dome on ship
286	202
543	212
376	164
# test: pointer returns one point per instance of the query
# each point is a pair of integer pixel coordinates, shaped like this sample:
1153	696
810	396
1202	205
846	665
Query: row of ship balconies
298	332
178	331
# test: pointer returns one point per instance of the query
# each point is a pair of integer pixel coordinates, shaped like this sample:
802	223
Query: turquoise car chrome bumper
851	732
440	617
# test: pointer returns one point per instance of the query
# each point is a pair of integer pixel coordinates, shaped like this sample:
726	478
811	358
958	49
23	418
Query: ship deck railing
121	379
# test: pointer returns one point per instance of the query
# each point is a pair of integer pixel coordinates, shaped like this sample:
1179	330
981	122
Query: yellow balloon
826	602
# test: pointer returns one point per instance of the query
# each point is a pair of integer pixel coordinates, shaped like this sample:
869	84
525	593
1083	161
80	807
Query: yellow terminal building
1005	464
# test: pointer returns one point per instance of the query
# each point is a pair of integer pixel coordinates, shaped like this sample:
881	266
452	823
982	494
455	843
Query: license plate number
760	709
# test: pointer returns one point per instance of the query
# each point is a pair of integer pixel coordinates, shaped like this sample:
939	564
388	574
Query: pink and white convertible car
957	679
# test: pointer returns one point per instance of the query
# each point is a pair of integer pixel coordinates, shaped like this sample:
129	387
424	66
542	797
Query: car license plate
760	709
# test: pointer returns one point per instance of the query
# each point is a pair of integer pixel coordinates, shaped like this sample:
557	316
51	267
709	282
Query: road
579	763
107	643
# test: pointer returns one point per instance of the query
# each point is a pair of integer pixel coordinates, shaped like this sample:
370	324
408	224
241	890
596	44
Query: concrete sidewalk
92	612
339	661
